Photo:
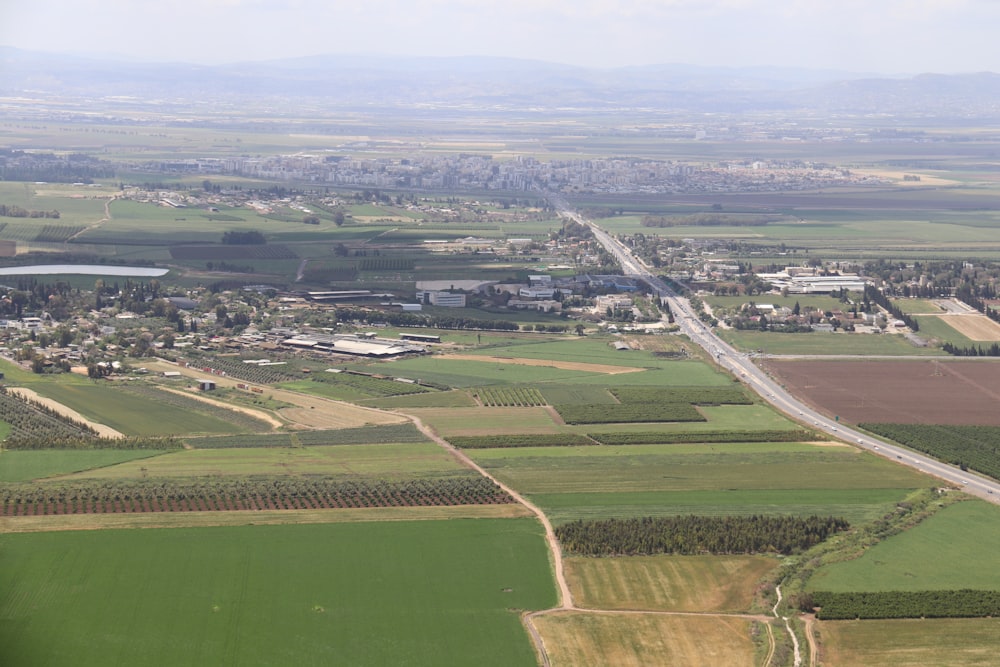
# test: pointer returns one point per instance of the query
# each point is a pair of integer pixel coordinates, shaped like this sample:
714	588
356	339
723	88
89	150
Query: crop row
39	442
672	437
509	397
629	412
964	603
975	447
103	497
520	440
386	264
695	395
57	233
363	435
370	386
254	373
692	534
33	420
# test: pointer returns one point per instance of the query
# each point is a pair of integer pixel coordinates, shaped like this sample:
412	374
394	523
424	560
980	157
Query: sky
868	36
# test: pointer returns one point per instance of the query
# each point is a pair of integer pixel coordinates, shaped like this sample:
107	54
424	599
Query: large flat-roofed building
444	299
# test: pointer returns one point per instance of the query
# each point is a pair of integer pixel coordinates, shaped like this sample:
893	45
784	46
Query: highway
742	367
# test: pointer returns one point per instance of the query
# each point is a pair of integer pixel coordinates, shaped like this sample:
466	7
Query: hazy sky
887	36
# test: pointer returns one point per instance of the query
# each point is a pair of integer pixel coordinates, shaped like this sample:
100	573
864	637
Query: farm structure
352	345
919	392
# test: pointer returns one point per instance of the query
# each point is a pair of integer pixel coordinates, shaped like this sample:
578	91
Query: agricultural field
135	413
966	534
641	640
23	466
943	642
667	583
417	593
821	343
382	461
917	392
661	480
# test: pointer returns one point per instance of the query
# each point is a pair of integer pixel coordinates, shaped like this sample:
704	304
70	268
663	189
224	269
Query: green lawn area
25	465
965	535
381	461
390	593
820	343
917	306
464	373
935	327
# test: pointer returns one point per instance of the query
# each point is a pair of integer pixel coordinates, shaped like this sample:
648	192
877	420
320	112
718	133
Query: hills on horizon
508	83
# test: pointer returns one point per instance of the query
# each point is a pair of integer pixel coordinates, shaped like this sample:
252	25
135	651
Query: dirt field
645	640
975	326
565	365
922	392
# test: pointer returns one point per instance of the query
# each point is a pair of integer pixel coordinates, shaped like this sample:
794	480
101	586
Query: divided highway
754	377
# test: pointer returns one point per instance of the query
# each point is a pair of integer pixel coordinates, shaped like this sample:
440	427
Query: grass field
667	583
965	534
486	421
820	343
917	306
942	642
936	328
635	640
25	465
132	414
415	593
384	461
656	480
857	506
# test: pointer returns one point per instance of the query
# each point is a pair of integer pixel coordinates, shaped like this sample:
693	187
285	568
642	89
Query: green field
416	593
646	480
819	343
131	413
917	306
25	465
965	536
382	461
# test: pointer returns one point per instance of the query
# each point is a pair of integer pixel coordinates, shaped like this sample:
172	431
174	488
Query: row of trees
688	535
11	211
407	319
964	603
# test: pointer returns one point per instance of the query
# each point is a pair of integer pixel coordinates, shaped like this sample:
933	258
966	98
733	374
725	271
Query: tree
579	329
338	218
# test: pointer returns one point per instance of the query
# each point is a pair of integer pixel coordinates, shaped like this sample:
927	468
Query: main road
741	366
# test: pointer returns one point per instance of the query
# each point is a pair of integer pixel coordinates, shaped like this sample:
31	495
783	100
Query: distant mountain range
504	83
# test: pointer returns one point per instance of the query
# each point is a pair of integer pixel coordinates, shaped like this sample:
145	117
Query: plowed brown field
921	392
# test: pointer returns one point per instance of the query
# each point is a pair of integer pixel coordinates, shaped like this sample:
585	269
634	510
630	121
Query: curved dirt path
102	430
810	623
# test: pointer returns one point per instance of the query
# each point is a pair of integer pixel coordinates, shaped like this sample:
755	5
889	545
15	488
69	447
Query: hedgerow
686	535
520	440
964	603
629	412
